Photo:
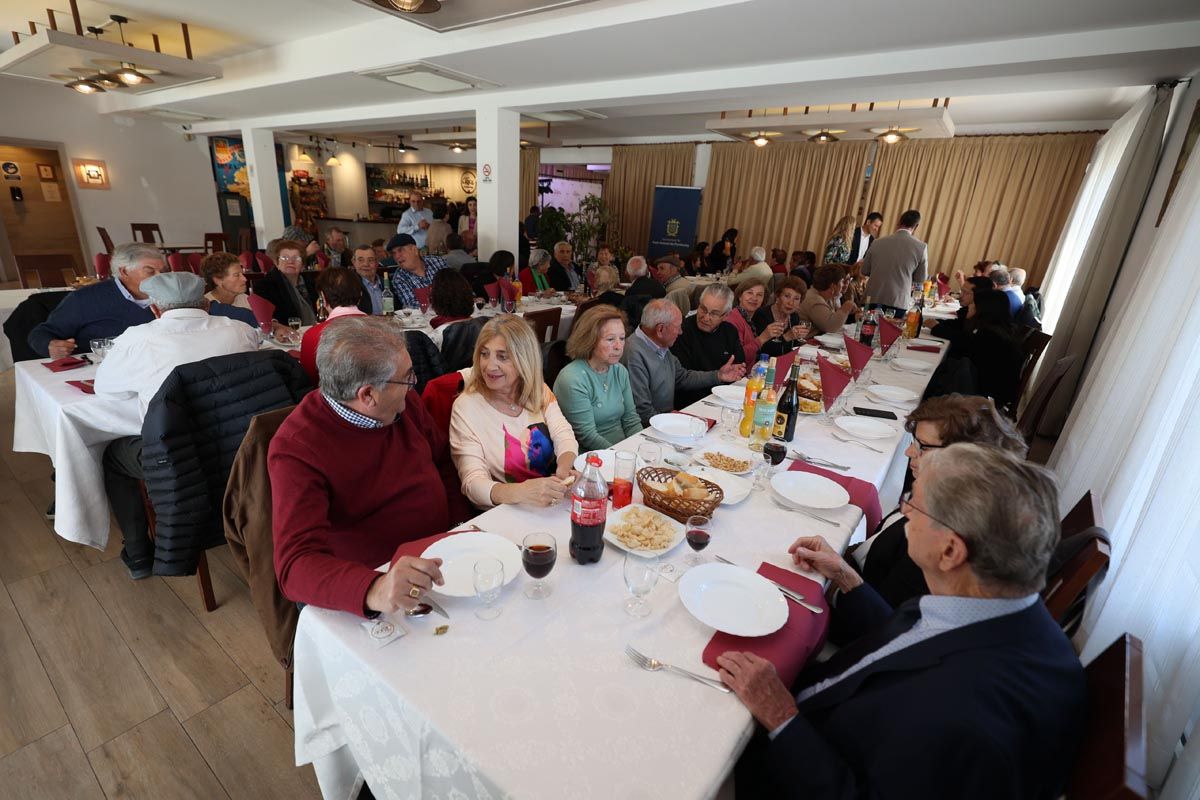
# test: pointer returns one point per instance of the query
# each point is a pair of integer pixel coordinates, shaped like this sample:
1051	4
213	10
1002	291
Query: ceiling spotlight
761	141
85	86
891	136
108	81
305	157
822	136
414	6
404	148
129	75
333	161
456	149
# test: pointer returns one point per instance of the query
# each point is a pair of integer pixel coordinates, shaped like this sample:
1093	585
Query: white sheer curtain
1133	438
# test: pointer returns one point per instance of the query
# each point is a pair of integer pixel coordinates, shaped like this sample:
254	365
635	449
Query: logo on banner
672	227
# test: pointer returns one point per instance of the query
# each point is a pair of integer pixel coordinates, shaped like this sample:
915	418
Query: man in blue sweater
104	310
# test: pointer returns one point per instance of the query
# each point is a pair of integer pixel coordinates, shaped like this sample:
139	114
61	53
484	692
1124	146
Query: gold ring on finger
414	592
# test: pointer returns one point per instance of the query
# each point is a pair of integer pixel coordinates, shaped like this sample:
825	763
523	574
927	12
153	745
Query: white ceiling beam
915	72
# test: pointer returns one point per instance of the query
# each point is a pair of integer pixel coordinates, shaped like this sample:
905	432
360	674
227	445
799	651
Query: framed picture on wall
90	173
45	172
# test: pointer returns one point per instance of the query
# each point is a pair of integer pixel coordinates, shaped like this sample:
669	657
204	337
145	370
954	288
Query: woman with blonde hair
594	389
837	249
509	439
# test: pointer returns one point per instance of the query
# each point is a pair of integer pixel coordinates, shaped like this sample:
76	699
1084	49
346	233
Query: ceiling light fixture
333	161
404	148
892	136
822	136
761	141
129	75
415	6
305	157
456	149
85	86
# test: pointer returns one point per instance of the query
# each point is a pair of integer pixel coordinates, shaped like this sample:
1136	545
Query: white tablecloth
73	428
542	702
9	299
945	310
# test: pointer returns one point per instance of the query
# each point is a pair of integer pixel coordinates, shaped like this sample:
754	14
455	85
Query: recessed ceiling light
569	115
427	78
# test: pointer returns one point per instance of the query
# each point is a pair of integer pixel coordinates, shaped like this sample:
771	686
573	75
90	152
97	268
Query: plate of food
638	529
734	460
736	489
460	551
733	600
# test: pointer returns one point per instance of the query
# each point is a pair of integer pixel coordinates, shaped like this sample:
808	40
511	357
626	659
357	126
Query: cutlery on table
816	462
805	512
857	442
654	665
785	591
678	447
429	601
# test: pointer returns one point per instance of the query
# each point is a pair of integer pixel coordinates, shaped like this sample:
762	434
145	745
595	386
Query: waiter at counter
416	220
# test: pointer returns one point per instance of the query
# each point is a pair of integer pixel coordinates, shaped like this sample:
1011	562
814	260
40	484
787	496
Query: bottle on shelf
758	379
389	299
788	409
764	414
870	321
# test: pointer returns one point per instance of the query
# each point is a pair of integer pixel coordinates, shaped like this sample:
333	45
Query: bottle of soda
764	412
869	324
589	511
758	379
389	299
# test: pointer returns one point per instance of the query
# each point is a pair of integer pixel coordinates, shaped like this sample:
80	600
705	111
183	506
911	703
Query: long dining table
542	702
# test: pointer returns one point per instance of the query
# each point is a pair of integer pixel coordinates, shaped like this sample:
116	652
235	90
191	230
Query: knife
429	601
785	591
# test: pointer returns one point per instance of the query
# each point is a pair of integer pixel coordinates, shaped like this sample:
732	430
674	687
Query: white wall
155	175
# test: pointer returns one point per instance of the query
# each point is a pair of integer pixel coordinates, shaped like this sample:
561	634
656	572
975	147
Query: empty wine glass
731	421
650	454
489	580
641	574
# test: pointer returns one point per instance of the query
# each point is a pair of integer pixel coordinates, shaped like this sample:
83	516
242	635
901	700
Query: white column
498	173
264	183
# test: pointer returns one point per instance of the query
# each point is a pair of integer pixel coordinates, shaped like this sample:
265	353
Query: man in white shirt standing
416	219
140	360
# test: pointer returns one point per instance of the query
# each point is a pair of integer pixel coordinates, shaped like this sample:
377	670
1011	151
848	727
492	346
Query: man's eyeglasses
289	259
907	507
410	382
710	313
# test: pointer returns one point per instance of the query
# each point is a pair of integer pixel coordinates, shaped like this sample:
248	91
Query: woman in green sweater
593	390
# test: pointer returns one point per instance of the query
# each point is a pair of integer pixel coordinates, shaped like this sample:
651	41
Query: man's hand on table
61	347
814	554
392	591
754	681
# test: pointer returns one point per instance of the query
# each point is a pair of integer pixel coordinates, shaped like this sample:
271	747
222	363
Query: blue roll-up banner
674	220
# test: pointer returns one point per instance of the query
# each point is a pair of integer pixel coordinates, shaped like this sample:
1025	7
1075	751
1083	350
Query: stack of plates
730	395
833	341
910	365
682	428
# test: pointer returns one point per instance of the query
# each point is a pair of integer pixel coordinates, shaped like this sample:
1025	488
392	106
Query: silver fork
820	462
654	665
804	511
678	447
857	442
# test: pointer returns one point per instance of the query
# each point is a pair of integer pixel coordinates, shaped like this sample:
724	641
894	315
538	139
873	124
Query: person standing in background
863	236
415	221
439	229
895	263
470	220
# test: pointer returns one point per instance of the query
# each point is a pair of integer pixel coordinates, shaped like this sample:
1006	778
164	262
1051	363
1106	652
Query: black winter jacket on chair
191	434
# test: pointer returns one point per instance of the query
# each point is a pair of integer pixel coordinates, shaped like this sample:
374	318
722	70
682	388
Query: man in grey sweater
895	263
654	371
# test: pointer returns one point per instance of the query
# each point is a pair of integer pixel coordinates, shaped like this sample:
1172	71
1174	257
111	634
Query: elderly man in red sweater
358	469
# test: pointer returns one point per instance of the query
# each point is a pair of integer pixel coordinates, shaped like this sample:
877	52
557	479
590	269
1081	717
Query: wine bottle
389	299
788	409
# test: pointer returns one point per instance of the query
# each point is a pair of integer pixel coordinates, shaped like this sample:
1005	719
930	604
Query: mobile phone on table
874	412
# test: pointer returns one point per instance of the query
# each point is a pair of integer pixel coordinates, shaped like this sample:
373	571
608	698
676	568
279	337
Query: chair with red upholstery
439	396
322	260
194	260
103	264
178	262
265	262
249	264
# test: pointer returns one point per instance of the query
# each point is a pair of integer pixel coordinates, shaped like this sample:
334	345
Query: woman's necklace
606	372
504	405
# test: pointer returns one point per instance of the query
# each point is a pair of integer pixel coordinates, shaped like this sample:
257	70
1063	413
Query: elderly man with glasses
708	341
357	469
970	691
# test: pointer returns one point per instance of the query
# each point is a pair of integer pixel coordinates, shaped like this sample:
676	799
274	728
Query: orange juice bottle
758	379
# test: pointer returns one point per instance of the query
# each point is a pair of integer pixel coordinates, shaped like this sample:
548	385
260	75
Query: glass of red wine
539	551
697	536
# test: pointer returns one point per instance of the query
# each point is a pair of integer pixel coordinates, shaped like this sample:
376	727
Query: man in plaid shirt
414	271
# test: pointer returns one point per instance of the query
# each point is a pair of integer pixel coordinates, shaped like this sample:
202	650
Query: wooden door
43	222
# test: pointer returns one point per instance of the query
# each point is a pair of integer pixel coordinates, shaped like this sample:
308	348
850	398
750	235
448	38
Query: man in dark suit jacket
643	289
971	691
868	231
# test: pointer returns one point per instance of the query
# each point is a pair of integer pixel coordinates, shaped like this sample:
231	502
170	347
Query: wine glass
698	535
731	421
641	574
294	323
650	454
489	580
773	454
539	551
492	301
424	304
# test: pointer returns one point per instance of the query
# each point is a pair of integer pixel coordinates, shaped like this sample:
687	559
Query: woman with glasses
508	436
883	560
784	315
288	286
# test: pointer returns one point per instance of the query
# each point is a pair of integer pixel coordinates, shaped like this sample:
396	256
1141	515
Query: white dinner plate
833	341
865	427
807	490
910	364
729	395
808	352
736	489
608	460
460	551
733	600
618	516
892	394
732	451
680	427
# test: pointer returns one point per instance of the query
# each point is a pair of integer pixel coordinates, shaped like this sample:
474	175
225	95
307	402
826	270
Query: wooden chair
1079	561
543	322
1034	345
1031	420
103	264
215	243
202	577
148	232
1084	514
178	262
43	271
104	237
1112	759
246	240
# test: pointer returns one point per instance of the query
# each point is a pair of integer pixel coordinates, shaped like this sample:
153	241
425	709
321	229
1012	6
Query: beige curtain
1000	198
636	170
531	158
787	194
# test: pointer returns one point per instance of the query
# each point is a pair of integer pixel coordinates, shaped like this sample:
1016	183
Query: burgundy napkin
417	546
862	494
507	290
707	421
423	293
65	363
888	334
790	647
263	310
925	348
590	277
493	290
87	387
782	365
834	381
858	353
943	286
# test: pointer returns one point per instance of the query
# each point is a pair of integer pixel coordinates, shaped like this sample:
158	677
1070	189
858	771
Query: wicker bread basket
678	508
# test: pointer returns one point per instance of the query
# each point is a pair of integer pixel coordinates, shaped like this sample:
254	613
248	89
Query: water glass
489	580
99	349
731	423
294	323
650	453
641	574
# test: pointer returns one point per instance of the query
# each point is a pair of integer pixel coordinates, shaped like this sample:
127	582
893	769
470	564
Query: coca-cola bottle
589	511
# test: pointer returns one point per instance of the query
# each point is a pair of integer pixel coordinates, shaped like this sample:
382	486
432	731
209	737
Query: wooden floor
115	688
